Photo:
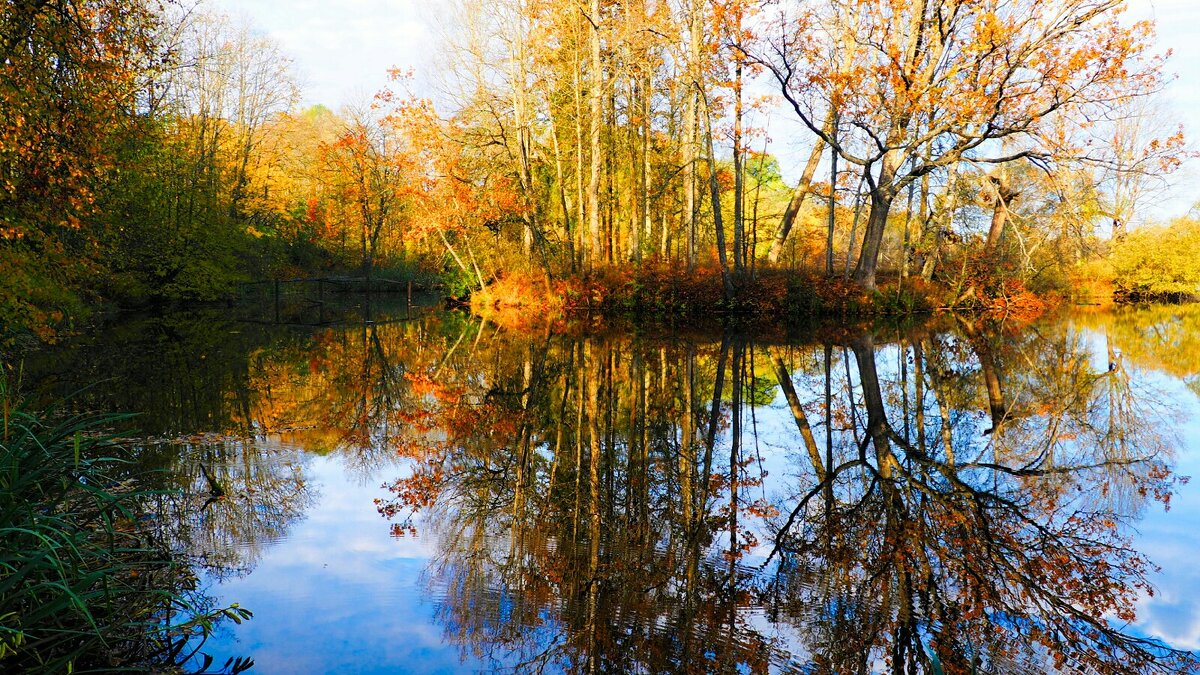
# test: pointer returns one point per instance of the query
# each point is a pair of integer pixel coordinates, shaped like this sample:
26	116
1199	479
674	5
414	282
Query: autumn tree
365	174
599	114
72	81
1132	156
934	83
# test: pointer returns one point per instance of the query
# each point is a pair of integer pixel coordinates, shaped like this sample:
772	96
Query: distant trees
1134	156
1155	262
599	112
196	193
364	179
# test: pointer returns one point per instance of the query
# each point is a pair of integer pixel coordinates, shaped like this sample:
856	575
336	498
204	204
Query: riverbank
663	291
656	291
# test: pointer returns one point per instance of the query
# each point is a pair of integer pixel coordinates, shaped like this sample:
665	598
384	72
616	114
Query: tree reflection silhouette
979	557
598	505
955	499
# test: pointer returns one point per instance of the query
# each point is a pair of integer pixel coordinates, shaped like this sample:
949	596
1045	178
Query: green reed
83	587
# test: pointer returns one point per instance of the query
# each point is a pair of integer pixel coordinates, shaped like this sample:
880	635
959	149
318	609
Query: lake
417	490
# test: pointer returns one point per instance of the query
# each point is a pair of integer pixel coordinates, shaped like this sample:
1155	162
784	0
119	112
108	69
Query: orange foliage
657	288
996	290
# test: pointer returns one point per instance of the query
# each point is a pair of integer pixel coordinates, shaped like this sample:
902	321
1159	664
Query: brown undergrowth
659	290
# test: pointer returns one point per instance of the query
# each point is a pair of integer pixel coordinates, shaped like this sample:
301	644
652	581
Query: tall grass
83	588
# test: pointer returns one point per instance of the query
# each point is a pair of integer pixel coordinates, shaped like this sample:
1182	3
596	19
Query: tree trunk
832	215
945	220
784	378
691	133
568	228
868	259
581	203
877	424
739	223
997	409
524	139
1003	196
803	188
595	91
611	198
715	193
647	99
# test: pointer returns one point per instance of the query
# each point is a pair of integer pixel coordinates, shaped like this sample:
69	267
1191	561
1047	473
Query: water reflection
947	498
605	503
1002	546
223	504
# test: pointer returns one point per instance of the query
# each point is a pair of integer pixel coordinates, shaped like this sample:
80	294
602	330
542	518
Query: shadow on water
956	497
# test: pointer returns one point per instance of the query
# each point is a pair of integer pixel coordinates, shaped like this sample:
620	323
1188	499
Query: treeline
156	153
978	144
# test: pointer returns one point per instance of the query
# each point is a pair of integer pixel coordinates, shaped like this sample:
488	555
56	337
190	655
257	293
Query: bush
1158	262
31	301
900	301
422	272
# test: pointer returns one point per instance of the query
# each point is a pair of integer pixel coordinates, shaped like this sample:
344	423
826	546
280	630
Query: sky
343	49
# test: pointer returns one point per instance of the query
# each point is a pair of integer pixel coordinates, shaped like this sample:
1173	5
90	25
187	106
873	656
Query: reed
83	588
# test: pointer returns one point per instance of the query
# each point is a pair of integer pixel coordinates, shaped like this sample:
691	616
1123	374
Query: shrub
32	302
900	301
1158	262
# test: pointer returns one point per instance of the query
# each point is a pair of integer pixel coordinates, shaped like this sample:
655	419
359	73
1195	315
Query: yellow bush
1159	261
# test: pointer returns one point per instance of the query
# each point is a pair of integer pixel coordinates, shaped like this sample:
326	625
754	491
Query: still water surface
429	492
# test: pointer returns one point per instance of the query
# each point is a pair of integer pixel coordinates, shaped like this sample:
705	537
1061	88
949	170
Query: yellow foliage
1159	261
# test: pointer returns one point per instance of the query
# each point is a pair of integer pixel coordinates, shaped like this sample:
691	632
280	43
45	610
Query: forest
596	154
737	346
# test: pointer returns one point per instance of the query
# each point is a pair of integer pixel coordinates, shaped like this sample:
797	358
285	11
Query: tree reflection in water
957	501
935	500
262	493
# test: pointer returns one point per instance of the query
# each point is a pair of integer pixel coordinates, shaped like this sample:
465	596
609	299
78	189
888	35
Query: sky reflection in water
489	433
